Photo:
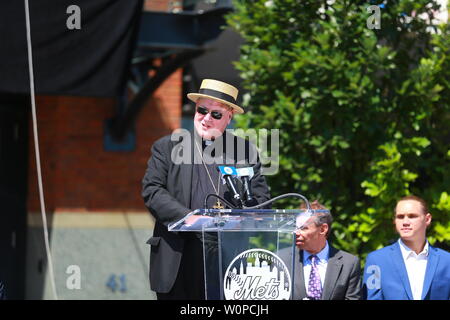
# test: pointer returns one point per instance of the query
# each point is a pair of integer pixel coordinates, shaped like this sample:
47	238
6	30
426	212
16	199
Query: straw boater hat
217	90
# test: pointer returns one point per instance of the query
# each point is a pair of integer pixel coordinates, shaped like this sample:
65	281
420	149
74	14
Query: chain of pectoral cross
218	204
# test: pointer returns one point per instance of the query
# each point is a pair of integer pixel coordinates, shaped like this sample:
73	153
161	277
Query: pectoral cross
218	205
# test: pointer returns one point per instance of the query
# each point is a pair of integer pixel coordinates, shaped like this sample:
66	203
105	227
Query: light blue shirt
322	263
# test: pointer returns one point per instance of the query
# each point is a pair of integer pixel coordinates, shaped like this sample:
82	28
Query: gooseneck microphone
227	173
246	174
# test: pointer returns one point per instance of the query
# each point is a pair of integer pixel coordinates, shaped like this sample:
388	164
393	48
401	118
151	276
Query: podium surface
248	253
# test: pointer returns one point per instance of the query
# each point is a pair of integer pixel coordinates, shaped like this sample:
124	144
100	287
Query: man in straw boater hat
173	187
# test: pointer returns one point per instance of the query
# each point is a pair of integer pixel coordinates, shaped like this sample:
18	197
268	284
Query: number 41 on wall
117	283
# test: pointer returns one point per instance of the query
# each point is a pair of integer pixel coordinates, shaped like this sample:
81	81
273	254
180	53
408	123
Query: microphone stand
286	195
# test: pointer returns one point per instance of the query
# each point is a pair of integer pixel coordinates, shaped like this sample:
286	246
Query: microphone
228	173
246	174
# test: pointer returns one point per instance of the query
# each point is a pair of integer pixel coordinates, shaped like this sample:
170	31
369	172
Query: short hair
320	217
415	198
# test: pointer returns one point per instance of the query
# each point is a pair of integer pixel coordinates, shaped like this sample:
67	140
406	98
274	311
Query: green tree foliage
363	113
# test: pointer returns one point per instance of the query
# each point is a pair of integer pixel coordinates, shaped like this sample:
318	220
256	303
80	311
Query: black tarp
91	61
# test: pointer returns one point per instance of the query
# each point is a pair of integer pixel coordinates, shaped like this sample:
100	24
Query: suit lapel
186	171
433	260
334	268
399	264
186	175
300	290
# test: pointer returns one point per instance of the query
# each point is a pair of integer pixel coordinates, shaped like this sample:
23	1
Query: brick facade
157	5
78	174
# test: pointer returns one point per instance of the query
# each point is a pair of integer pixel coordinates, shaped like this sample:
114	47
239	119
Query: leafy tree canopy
363	113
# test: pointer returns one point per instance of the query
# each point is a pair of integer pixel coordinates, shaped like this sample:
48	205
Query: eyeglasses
215	114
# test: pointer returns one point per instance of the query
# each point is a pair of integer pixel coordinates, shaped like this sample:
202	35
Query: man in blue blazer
409	269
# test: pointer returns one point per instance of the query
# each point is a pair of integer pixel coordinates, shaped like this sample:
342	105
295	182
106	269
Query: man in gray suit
323	272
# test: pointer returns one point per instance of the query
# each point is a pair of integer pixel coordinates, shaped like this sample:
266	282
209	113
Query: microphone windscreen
245	172
227	170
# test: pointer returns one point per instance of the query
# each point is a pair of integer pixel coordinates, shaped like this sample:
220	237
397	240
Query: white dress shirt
416	265
322	262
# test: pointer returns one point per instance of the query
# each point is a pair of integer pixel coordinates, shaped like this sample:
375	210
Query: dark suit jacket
386	278
342	278
167	195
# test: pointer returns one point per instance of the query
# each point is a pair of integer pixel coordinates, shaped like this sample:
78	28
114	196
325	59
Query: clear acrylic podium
248	253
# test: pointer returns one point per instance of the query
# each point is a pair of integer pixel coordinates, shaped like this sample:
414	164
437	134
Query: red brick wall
77	173
157	5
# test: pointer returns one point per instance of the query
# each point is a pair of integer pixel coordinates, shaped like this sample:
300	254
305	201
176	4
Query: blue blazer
386	278
2	291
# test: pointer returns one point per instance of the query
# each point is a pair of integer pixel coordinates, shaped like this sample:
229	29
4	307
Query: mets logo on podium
257	274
